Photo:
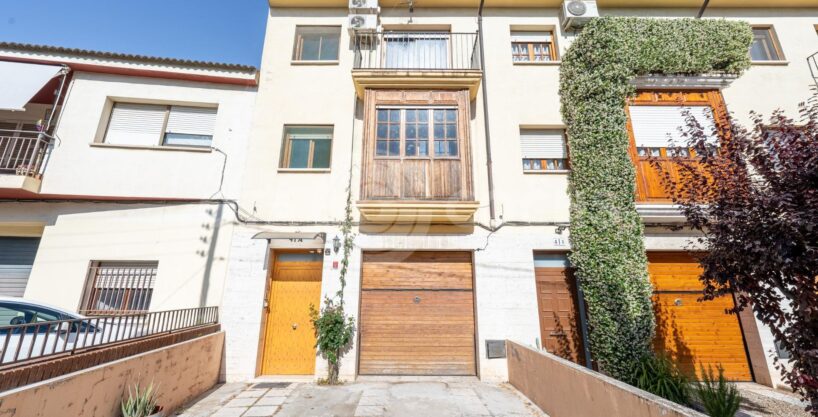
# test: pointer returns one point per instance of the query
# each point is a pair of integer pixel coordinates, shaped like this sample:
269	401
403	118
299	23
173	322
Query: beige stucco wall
179	237
77	168
562	388
179	372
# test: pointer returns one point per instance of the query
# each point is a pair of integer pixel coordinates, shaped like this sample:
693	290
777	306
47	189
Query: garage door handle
557	334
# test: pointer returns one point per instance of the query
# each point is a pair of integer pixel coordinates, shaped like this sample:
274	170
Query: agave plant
140	403
659	375
719	397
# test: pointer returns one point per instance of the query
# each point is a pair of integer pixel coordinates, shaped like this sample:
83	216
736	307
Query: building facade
462	224
110	202
436	123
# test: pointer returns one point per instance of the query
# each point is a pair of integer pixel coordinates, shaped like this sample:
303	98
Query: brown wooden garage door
417	314
694	332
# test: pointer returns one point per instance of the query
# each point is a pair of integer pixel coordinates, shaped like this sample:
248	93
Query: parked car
30	329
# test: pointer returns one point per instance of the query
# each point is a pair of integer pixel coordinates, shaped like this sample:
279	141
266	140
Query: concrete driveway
403	398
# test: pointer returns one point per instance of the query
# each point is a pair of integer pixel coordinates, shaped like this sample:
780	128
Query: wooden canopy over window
706	106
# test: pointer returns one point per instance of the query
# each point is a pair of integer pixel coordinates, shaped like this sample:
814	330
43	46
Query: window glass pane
423	131
394	131
182	139
423	148
394	148
329	48
310	47
411	148
321	156
382	130
763	48
439	131
380	148
451	131
452	148
309	147
316	43
411	131
383	115
299	153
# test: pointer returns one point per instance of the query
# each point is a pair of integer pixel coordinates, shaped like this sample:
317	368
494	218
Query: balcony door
404	50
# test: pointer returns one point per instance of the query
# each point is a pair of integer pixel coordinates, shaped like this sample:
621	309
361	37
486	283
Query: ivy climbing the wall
608	251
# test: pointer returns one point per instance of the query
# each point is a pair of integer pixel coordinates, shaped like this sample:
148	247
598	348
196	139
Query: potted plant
141	403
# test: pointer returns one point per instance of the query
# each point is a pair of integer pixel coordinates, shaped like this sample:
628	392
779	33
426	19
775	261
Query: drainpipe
486	111
702	9
65	71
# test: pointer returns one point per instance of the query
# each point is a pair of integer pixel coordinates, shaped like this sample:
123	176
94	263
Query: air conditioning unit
576	13
363	22
363	5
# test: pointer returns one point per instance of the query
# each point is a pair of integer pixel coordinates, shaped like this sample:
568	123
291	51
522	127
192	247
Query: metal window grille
120	287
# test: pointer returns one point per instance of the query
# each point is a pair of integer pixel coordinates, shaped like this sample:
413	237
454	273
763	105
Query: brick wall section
181	372
564	389
65	364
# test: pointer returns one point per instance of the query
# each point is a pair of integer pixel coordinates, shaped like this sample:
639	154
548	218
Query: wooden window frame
286	148
430	139
552	48
298	43
776	44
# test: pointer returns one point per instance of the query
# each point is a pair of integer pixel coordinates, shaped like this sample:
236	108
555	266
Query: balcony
22	160
417	60
417	158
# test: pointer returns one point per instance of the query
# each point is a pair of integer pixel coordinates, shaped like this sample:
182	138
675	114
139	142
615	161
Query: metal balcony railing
41	340
23	152
435	51
812	61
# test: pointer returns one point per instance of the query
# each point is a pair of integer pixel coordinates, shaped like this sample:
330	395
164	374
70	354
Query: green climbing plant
334	329
606	232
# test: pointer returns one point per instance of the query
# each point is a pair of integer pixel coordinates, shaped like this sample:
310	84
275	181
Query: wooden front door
694	333
289	340
417	314
559	312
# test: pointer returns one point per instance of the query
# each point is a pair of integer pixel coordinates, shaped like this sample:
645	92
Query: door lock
417	300
295	326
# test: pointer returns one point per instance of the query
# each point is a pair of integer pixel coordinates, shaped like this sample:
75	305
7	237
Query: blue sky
210	30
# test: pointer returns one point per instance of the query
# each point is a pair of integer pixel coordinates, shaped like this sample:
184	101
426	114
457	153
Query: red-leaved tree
754	199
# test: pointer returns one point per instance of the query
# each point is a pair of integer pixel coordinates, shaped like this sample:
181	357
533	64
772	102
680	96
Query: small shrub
140	403
719	397
333	334
660	376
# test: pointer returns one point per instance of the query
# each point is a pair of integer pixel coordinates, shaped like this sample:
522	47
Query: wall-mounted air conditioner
363	5
576	13
363	22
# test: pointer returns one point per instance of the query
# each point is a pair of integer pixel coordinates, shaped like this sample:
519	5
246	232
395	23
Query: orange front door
289	340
